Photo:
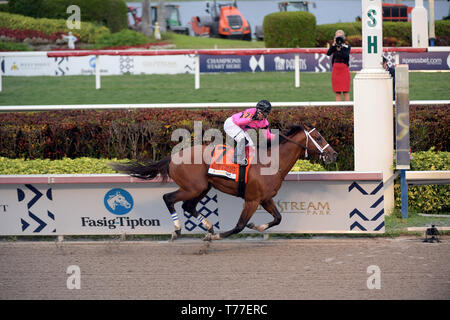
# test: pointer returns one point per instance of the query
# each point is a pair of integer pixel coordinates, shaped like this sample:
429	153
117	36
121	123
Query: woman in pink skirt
340	74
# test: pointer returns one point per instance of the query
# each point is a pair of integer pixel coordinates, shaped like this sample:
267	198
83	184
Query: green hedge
289	30
146	133
13	46
427	198
122	38
110	13
90	166
88	33
65	166
399	32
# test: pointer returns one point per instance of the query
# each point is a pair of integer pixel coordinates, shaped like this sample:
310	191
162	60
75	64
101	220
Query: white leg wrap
203	220
176	221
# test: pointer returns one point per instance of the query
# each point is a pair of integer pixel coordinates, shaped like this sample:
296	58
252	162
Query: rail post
1	61
402	131
197	70
97	72
297	70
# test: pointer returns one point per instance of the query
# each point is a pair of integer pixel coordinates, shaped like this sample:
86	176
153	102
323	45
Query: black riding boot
239	153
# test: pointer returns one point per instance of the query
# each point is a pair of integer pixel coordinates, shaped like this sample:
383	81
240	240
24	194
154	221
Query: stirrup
235	160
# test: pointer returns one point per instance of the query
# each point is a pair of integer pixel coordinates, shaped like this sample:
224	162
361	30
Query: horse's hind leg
190	207
169	200
247	213
173	197
270	207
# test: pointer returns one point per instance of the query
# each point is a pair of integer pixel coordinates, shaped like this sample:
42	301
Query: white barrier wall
330	202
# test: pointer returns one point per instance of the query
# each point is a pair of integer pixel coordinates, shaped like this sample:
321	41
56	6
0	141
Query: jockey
237	125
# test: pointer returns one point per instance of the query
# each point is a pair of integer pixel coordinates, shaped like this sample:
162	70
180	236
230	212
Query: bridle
308	137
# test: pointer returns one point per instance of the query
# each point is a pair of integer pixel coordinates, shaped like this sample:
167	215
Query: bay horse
194	182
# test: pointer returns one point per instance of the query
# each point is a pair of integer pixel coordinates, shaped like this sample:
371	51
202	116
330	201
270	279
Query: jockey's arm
243	118
269	136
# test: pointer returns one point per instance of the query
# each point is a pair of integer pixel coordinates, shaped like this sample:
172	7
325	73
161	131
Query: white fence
116	62
28	108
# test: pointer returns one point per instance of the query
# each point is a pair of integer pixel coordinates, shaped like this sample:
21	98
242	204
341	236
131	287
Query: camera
340	41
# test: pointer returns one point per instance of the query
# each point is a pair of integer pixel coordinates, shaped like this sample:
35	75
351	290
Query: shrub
64	166
110	13
325	32
30	8
89	166
146	133
289	29
124	37
427	198
395	34
442	28
306	165
13	46
88	33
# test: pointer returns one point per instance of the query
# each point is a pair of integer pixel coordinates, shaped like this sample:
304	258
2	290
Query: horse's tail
145	170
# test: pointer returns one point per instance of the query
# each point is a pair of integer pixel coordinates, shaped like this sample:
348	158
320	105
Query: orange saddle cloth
222	162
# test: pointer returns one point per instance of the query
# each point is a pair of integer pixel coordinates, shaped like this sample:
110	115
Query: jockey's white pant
236	132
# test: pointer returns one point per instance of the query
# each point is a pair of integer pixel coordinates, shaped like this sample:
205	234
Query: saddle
222	165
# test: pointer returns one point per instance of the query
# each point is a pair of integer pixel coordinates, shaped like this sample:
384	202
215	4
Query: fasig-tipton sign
118	204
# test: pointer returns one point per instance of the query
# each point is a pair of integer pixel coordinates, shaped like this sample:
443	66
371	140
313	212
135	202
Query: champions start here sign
114	204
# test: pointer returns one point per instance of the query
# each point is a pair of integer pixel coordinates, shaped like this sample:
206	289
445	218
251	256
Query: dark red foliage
147	133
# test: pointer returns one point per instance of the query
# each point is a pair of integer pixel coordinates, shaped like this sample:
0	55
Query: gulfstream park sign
315	202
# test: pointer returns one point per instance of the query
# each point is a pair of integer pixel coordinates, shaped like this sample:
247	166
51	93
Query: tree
161	16
145	27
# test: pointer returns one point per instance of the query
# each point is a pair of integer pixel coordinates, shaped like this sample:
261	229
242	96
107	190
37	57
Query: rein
308	136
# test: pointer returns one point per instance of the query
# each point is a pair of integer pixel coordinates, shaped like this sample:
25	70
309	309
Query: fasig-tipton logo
119	222
118	201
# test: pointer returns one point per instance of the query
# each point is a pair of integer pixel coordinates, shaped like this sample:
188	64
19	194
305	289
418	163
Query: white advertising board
85	65
81	208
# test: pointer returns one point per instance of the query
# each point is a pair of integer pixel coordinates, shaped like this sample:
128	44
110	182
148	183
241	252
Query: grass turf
229	87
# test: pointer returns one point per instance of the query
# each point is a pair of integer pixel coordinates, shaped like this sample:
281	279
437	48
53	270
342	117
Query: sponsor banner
109	65
131	208
158	64
426	60
176	64
232	63
309	62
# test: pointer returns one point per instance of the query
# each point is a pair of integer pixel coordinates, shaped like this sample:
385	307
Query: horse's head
120	200
317	144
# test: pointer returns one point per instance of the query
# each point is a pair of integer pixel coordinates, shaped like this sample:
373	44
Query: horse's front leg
248	211
270	207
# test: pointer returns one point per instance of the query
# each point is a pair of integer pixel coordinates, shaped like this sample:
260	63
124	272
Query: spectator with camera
340	74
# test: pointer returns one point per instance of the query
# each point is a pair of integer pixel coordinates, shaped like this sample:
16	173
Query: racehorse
194	182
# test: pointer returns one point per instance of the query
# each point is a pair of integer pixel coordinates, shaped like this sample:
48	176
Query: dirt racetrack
235	269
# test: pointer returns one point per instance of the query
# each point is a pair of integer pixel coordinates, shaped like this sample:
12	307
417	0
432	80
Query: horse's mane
289	132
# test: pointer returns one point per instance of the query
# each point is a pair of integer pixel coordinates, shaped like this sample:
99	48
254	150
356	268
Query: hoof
251	225
210	237
176	234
